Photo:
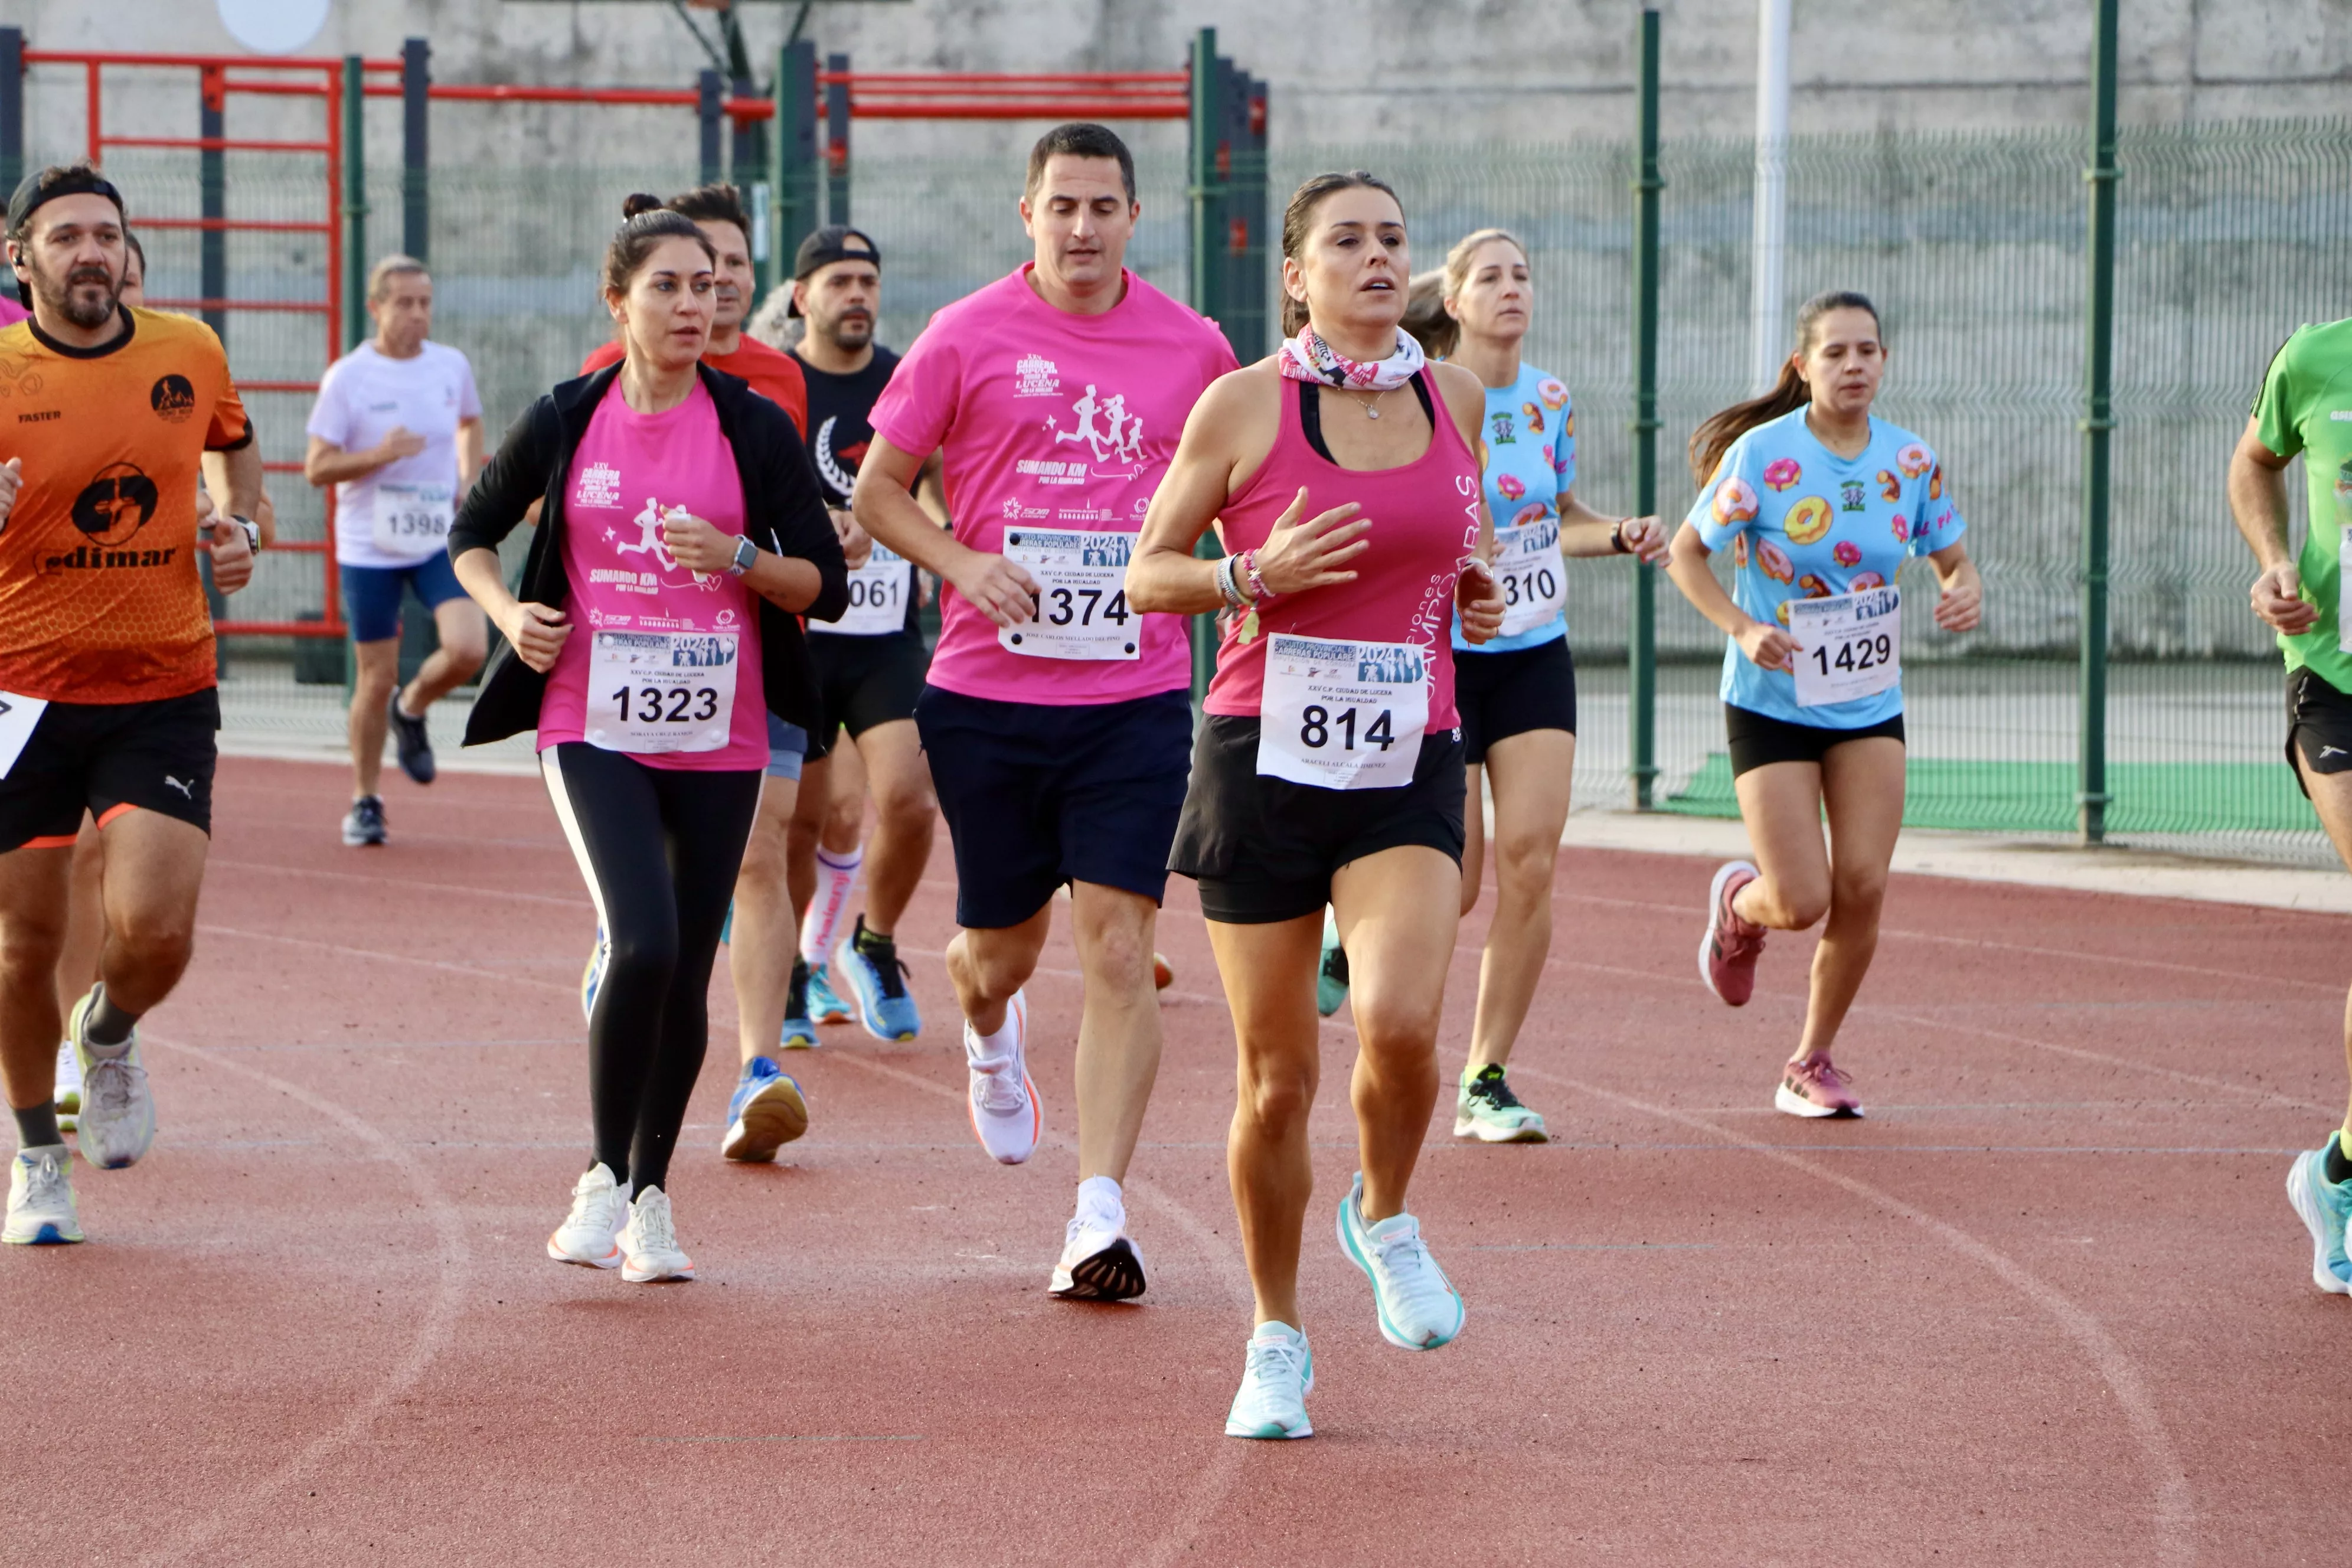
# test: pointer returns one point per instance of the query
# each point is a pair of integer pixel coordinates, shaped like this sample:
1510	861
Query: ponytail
1426	317
1790	391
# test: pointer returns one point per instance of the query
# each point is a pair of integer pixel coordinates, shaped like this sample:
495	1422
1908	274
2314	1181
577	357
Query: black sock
2337	1166
873	942
108	1025
37	1127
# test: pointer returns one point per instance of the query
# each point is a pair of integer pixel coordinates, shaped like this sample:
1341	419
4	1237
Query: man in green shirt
2305	406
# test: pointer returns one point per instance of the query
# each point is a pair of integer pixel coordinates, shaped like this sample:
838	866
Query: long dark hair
1790	393
1300	213
646	223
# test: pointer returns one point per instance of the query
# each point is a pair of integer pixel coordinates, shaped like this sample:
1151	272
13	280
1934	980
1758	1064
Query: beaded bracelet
1258	591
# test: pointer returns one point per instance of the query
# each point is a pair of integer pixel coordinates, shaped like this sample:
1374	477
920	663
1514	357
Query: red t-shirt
774	374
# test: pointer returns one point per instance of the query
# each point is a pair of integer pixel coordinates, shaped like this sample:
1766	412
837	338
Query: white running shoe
41	1198
650	1242
1005	1115
1419	1308
117	1113
1099	1263
69	1090
1275	1380
600	1208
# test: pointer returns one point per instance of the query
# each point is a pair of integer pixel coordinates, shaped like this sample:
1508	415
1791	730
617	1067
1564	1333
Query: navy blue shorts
371	593
1037	795
788	746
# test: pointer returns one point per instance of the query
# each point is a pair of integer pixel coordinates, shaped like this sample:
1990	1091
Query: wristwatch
746	552
252	531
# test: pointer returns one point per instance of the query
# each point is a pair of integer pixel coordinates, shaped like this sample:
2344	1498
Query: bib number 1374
1342	715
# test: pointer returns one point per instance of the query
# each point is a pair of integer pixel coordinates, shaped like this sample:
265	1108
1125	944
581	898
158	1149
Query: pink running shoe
1727	954
1813	1088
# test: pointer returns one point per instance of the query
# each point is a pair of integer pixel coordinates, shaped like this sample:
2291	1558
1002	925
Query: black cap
47	185
834	242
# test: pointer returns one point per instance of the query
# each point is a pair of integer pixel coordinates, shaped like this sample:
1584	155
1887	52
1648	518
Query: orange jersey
100	599
774	374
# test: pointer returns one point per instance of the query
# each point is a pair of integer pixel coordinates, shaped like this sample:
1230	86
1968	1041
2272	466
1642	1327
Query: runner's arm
1585	532
886	508
2258	501
469	451
1765	646
1960	607
324	463
932	491
265	511
231	553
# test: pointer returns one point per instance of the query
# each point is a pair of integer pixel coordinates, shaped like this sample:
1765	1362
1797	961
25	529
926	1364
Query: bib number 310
1342	715
1848	646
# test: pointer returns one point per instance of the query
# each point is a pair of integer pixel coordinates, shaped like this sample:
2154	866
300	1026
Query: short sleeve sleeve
229	428
1940	524
331	417
917	409
1726	508
2278	412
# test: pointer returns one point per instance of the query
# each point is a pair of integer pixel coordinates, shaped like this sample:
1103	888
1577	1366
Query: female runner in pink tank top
1341	475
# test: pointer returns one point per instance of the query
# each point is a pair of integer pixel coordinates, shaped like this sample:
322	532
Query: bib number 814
681	709
1318	723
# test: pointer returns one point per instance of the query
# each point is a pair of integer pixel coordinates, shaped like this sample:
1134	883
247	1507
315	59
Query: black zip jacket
784	512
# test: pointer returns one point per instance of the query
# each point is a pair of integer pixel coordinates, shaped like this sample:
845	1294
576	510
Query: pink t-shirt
1052	423
629	470
11	312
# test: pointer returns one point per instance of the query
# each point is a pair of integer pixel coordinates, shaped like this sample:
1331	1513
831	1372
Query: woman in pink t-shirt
1342	475
680	528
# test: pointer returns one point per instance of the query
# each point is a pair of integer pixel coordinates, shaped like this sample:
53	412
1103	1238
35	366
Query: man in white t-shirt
398	432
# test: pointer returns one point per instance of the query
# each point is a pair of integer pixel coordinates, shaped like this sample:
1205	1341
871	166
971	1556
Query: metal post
212	194
836	139
747	149
1768	345
355	203
795	158
706	109
2098	423
1642	716
12	107
415	162
1210	273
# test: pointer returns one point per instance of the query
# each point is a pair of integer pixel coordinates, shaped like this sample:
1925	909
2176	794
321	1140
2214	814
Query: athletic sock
108	1028
836	879
995	1047
2337	1166
37	1128
873	943
1100	1195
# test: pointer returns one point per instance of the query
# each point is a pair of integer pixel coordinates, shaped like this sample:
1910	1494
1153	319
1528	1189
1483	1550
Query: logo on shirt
1050	473
41	416
1120	436
1036	377
1850	493
113	508
838	478
600	485
1014	512
2341	414
174	398
1501	432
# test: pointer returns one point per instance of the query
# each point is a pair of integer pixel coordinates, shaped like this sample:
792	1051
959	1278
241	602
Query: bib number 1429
1849	646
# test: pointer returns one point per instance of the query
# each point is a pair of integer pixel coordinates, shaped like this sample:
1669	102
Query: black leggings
659	848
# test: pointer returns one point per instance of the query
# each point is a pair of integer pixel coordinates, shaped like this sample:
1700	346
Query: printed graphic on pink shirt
663	661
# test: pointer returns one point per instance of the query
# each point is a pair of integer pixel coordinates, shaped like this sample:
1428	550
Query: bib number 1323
1342	715
1849	646
661	691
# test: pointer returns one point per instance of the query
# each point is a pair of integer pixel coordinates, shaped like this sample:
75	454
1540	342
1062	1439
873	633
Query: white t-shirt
362	395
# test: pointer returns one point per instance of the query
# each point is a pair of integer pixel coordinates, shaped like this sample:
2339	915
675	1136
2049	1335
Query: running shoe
1812	1087
411	740
1163	973
1727	954
767	1112
1419	1308
649	1242
118	1111
1487	1110
1099	1262
68	1089
592	975
41	1199
600	1208
2325	1205
800	1034
363	823
1276	1378
877	983
1331	979
1005	1116
825	1004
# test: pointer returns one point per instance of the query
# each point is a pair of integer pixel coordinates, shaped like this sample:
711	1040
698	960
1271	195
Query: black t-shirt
840	428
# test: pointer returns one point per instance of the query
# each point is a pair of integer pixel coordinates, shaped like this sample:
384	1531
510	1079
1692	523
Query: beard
850	331
86	296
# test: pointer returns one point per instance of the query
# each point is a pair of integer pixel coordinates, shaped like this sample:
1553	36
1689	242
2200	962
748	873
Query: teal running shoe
800	1034
766	1113
877	977
1486	1108
825	1004
2325	1205
1419	1308
1331	980
1275	1380
592	976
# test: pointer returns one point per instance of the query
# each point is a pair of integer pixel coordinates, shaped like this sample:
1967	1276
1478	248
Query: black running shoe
363	823
416	746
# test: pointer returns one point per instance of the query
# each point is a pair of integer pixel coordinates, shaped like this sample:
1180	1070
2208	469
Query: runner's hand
232	552
1299	555
1768	647
1003	591
1646	538
1480	598
1961	606
2278	599
856	544
537	632
697	545
399	442
12	474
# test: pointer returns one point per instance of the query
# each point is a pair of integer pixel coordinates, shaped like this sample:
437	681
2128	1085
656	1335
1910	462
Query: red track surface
2048	1305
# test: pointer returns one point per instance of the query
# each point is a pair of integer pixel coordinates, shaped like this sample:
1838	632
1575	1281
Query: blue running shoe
825	1004
767	1112
2324	1206
800	1034
877	983
593	977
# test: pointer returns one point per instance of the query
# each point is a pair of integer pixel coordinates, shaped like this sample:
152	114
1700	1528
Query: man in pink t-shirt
1057	720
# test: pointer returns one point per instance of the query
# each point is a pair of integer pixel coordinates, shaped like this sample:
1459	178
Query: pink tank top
1424	518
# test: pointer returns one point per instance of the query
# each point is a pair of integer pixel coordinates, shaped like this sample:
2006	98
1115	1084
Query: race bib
412	519
1342	715
877	598
1847	647
1527	565
18	717
1081	598
661	691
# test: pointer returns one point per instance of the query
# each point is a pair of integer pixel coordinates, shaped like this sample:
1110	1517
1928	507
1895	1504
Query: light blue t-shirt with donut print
1804	523
1527	450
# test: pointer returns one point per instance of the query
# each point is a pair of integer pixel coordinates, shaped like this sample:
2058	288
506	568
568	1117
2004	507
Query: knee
157	939
465	652
32	947
905	808
1116	954
1275	1093
1858	893
374	678
1524	863
643	954
763	854
1396	1038
800	835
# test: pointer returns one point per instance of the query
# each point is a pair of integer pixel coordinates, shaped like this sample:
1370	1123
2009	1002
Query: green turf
2039	798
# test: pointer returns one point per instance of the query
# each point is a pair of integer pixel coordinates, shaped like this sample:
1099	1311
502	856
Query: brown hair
713	203
380	276
1079	139
1426	317
646	223
1790	393
1300	213
1465	250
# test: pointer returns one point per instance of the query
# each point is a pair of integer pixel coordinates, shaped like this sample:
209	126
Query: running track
2048	1305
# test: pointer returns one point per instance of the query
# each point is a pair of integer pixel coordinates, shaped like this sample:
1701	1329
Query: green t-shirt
2306	407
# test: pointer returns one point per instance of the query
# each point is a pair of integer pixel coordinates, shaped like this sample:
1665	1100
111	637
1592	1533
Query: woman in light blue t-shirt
1821	505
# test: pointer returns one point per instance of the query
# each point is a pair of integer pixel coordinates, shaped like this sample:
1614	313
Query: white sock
1100	1195
836	880
995	1047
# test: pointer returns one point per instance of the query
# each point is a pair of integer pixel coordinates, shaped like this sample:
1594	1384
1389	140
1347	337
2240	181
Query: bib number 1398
1342	715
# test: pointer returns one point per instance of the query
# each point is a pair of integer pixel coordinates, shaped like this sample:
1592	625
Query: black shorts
1507	694
1264	849
107	758
866	682
1757	739
2319	724
1037	795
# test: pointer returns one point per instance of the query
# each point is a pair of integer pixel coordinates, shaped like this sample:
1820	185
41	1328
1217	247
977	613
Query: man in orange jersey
106	681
